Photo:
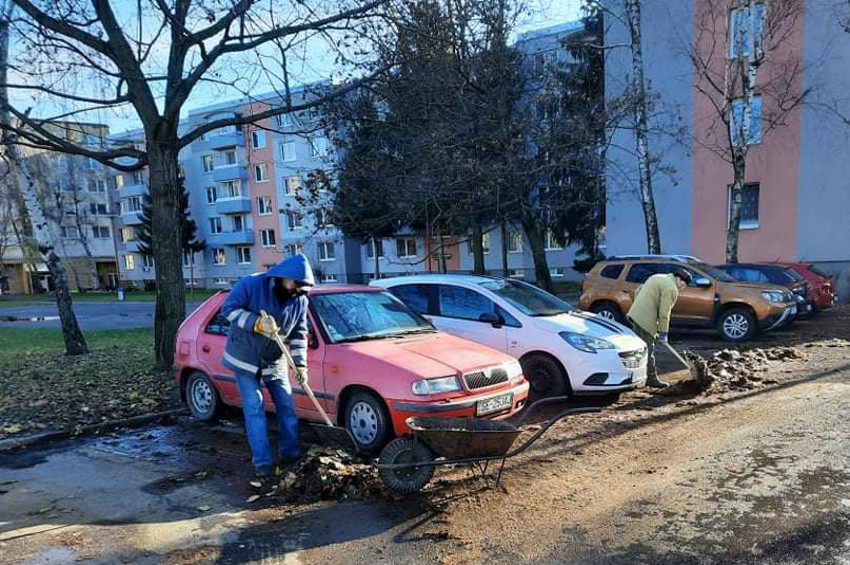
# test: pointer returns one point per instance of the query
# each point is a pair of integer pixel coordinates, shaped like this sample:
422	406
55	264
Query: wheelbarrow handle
535	405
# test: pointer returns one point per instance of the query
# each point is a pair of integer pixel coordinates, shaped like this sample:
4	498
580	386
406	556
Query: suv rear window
612	271
641	271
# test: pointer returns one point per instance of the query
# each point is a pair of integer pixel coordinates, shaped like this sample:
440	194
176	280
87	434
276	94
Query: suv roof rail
683	258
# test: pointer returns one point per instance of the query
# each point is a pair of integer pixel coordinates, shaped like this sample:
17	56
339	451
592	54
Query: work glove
266	325
663	337
301	376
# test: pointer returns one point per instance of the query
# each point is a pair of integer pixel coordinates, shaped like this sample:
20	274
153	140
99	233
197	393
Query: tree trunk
653	239
504	234
478	250
736	193
75	343
542	276
167	247
377	258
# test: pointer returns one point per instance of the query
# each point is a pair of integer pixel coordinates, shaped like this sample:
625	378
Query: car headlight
586	343
773	296
514	370
435	386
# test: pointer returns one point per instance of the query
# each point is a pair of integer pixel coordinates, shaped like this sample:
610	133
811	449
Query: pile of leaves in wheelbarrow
731	370
326	473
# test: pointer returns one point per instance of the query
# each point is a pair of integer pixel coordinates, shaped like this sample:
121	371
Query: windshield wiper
551	313
365	337
416	331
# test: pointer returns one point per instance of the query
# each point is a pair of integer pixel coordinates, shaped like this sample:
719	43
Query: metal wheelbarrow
407	463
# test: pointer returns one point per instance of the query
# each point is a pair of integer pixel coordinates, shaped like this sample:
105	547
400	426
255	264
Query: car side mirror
492	318
702	282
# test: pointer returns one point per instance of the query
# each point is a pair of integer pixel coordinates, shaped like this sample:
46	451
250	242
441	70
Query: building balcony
131	218
238	205
231	172
133	246
244	237
225	140
128	191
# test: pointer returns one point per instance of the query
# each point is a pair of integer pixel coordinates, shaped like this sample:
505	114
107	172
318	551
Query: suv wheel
609	311
545	376
202	397
737	324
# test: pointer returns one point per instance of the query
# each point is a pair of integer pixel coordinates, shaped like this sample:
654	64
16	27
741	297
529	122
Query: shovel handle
291	362
676	355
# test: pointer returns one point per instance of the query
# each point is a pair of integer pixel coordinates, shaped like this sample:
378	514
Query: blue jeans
255	418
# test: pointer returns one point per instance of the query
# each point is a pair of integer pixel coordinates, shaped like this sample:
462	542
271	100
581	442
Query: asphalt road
91	315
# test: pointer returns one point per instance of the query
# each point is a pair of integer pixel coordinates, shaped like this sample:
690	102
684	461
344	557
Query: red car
373	363
823	291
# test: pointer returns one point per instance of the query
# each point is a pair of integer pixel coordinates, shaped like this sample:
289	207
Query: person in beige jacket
650	314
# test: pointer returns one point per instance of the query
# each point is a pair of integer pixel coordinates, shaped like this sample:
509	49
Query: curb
47	437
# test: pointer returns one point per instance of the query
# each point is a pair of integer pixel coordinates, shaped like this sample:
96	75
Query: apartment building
79	211
797	189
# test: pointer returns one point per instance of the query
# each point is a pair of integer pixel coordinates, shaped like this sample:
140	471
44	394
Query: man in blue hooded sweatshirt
253	356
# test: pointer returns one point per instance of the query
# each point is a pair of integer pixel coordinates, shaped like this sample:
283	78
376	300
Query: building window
119	181
268	238
147	261
264	205
544	61
138	177
133	204
209	163
215	225
323	218
219	281
187	259
97	185
129	262
238	223
218	256
741	35
285	120
515	242
230	189
557	272
258	139
295	249
243	255
294	220
553	242
293	185
749	206
485	240
327	251
127	234
98	209
329	278
227	157
261	172
287	151
406	246
212	196
319	147
70	232
370	248
100	232
516	273
736	123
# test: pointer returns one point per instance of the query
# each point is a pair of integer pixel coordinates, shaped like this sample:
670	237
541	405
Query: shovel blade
334	435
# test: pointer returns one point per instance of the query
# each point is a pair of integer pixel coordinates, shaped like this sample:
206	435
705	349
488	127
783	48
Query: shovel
327	432
676	355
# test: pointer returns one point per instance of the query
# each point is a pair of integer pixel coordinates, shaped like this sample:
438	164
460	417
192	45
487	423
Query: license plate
494	404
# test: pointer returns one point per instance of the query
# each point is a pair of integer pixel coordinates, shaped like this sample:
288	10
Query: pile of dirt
324	473
731	369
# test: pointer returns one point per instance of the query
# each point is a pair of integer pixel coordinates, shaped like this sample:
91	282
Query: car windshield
716	273
528	299
362	316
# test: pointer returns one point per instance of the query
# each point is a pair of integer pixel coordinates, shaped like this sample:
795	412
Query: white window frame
138	177
370	248
223	158
227	187
129	262
294	249
215	225
219	256
485	240
745	224
324	247
557	272
147	261
285	120
407	241
516	273
264	206
258	139
119	181
330	278
515	236
241	255
268	238
208	163
319	147
737	113
239	219
288	157
551	244
290	221
292	185
750	36
212	191
261	172
221	281
66	230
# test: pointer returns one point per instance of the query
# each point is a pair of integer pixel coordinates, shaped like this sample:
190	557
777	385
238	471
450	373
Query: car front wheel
202	397
545	376
609	311
368	421
737	324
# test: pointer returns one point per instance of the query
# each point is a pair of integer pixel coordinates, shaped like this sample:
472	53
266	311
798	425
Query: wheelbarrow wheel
402	451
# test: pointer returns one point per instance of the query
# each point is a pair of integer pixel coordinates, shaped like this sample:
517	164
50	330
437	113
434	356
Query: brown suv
714	299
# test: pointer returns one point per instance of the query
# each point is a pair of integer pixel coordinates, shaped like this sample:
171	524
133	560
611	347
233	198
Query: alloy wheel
736	326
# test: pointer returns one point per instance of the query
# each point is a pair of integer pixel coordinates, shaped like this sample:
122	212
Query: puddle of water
7	318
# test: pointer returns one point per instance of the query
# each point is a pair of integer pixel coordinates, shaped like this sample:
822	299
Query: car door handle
205	348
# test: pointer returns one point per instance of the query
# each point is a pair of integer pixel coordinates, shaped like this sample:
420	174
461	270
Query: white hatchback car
562	350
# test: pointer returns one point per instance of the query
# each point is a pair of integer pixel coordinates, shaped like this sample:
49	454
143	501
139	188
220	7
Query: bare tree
751	80
151	63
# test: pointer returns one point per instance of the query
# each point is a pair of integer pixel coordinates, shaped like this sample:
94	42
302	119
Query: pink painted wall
263	256
774	163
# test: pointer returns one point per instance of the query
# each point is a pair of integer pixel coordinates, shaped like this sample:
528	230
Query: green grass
14	341
201	294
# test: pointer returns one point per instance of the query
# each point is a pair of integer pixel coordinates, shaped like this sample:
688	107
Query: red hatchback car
373	363
823	291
